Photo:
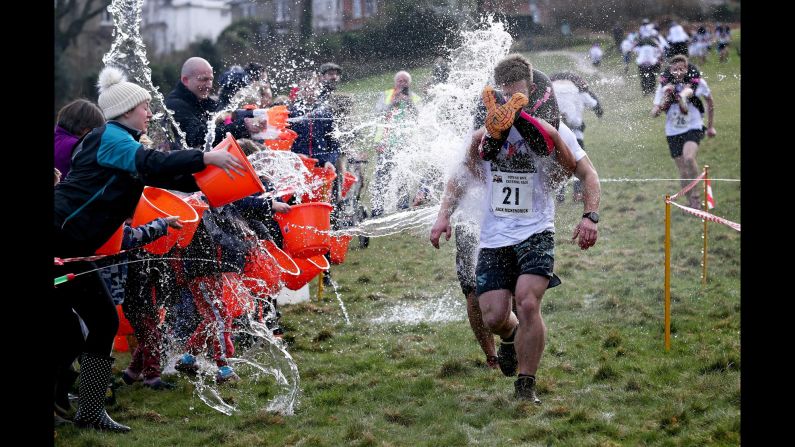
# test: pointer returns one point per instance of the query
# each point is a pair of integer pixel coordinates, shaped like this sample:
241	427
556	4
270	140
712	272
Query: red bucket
125	328
265	267
155	203
286	264
339	248
113	244
310	268
309	162
236	297
348	179
189	228
218	187
321	180
284	142
277	116
305	229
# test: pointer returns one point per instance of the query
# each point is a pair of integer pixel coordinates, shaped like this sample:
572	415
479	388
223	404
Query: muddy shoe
525	389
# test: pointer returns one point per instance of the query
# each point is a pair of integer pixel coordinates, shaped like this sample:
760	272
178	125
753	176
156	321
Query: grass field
605	379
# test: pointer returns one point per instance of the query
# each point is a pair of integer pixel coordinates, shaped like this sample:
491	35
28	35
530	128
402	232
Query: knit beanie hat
116	95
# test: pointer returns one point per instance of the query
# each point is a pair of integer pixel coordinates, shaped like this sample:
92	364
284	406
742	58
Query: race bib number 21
512	194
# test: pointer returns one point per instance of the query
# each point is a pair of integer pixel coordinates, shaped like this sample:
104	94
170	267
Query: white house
172	25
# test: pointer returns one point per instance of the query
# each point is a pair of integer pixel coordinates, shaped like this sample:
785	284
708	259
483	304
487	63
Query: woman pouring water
110	168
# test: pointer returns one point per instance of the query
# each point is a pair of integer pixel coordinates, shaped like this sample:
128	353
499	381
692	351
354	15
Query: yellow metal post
320	287
667	272
706	208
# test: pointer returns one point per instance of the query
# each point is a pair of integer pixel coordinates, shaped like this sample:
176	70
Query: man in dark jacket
193	108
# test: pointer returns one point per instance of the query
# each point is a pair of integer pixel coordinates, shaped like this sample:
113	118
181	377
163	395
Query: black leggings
89	297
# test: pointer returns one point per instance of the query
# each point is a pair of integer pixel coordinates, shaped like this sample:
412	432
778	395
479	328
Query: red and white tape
707	216
690	186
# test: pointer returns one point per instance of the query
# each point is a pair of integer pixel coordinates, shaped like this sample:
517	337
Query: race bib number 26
512	194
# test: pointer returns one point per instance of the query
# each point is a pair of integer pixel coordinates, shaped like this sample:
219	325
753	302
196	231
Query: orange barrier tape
707	216
690	186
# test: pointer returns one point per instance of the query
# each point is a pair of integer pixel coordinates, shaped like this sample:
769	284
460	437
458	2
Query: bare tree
71	16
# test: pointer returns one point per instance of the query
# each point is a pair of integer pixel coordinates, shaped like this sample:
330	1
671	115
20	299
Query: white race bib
678	119
512	194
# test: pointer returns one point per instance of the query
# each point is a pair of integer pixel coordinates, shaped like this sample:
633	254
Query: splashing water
429	149
256	347
342	304
446	308
129	53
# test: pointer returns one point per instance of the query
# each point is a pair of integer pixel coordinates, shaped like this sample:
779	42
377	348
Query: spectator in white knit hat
109	170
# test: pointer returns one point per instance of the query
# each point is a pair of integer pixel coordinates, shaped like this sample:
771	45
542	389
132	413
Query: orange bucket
261	274
125	328
285	141
305	229
310	268
286	264
120	343
235	296
265	267
309	162
156	202
322	180
277	116
348	179
218	187
339	248
113	244
189	228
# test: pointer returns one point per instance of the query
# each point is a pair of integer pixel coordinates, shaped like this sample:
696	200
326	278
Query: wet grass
604	379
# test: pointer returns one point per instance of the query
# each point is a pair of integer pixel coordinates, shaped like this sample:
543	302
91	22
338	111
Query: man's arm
592	191
454	190
563	154
711	132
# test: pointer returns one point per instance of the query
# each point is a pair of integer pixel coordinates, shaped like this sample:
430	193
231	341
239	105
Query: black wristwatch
593	216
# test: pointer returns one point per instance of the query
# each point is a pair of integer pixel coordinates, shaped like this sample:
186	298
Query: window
282	14
105	18
357	9
370	8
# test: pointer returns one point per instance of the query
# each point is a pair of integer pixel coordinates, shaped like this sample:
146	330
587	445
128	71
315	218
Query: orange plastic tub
310	268
218	187
113	244
339	248
235	296
277	116
348	179
284	142
265	266
322	180
305	229
156	202
189	228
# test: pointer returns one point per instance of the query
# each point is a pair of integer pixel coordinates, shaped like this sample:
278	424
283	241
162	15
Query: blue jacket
109	170
314	133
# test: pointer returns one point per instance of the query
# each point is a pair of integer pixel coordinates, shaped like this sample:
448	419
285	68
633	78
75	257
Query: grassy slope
605	379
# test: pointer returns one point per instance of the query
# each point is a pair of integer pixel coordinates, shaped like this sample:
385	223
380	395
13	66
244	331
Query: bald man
192	106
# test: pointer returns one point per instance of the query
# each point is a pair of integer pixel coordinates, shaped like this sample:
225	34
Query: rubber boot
94	379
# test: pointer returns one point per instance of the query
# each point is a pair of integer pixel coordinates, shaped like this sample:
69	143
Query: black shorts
499	268
466	253
676	143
